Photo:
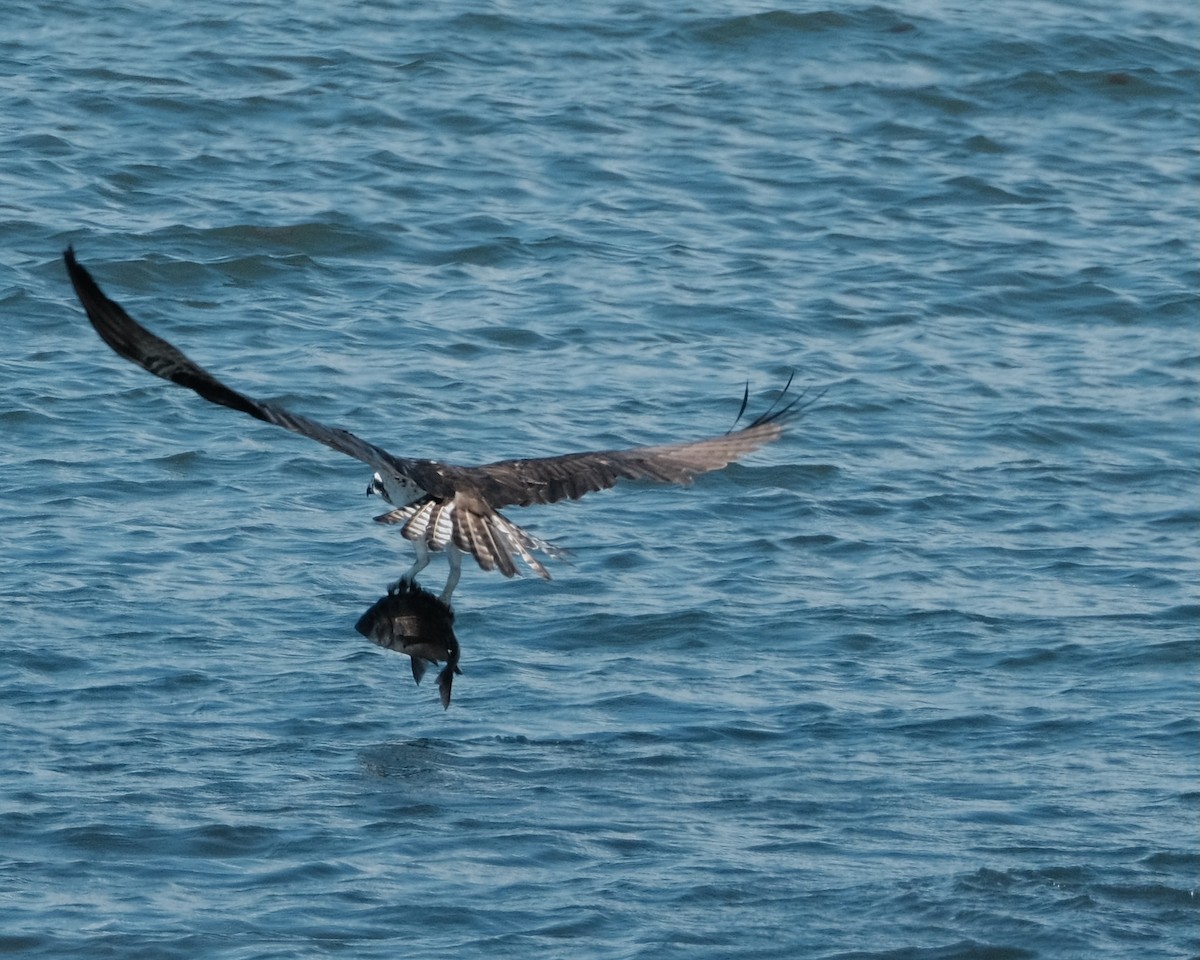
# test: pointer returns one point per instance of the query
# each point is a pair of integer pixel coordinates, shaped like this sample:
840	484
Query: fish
413	621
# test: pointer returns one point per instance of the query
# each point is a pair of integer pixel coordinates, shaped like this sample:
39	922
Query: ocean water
919	681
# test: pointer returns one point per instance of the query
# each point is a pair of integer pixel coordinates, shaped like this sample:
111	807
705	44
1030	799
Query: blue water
919	681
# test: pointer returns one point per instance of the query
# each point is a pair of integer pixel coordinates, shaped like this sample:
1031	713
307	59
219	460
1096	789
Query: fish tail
445	681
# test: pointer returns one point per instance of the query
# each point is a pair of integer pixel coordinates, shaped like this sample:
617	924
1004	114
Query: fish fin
418	668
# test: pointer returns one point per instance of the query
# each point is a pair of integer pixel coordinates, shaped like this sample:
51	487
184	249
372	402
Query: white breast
400	491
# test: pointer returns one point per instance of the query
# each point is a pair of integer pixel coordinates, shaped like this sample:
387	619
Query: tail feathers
516	540
490	537
476	534
426	520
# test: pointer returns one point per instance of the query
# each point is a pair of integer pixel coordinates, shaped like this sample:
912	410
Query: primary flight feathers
441	506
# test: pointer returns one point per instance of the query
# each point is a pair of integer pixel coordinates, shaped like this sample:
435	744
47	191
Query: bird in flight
443	507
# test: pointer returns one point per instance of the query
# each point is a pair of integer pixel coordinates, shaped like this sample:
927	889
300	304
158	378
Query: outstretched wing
134	342
470	519
461	503
571	475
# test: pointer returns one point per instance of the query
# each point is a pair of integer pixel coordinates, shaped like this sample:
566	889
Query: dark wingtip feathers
778	412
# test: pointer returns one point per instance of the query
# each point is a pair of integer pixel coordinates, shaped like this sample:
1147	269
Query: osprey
442	506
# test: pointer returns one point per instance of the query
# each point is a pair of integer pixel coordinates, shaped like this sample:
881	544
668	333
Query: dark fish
413	621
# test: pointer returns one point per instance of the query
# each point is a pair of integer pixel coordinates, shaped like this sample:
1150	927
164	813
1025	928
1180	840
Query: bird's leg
454	555
421	563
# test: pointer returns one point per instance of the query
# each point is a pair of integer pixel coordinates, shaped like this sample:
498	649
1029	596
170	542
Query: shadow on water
422	758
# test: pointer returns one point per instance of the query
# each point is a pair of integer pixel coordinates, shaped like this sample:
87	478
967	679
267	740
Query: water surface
919	681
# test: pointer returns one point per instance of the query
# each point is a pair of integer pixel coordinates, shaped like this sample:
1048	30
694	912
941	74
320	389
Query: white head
397	490
376	488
